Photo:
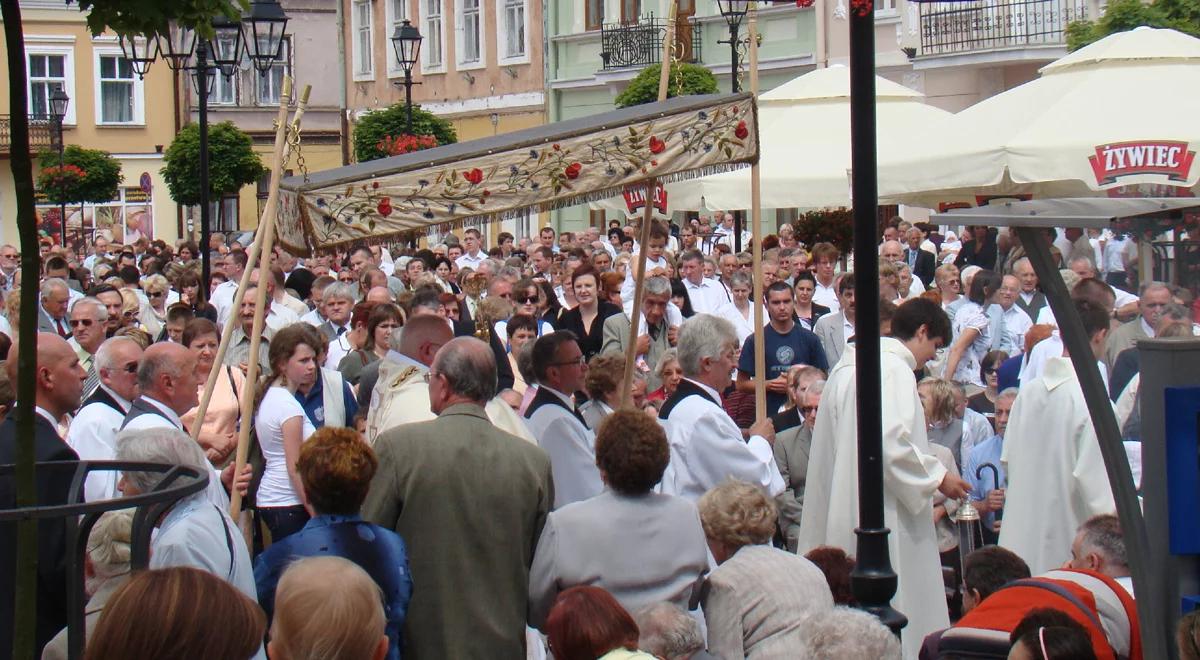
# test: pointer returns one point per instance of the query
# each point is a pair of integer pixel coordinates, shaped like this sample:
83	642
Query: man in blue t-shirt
788	344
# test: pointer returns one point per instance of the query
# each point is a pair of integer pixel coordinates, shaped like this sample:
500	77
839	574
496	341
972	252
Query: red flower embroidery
385	207
557	148
572	170
474	176
657	145
741	131
375	185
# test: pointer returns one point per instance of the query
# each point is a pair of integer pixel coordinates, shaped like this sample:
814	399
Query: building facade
111	109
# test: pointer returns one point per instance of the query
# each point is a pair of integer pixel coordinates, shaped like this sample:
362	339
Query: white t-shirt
278	406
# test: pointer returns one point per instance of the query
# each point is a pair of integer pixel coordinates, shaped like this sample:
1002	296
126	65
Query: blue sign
1182	408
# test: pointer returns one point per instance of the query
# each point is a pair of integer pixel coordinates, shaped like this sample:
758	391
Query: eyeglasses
130	368
528	300
579	361
87	323
156	294
989	371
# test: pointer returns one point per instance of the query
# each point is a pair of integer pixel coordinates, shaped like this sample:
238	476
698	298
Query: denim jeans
283	521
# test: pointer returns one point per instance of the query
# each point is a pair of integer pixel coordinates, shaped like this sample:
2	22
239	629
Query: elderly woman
335	468
158	290
643	547
602	382
741	289
376	340
758	597
669	374
105	568
218	430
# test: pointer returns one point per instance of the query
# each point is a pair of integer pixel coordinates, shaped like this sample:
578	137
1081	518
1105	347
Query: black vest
142	407
685	389
544	397
101	396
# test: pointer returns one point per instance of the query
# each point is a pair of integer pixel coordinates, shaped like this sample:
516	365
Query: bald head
422	337
379	294
167	374
59	382
893	251
469	369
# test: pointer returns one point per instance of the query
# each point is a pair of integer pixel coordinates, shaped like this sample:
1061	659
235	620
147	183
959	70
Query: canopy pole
639	291
260	302
1116	462
281	152
760	349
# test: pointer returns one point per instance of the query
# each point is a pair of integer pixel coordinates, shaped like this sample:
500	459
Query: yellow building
110	109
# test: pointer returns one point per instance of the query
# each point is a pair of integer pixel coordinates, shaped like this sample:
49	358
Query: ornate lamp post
734	11
58	112
406	41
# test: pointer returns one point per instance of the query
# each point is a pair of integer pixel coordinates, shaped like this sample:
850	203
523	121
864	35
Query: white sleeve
718	453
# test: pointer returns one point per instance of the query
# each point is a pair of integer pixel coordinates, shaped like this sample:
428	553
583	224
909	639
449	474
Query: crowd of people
445	462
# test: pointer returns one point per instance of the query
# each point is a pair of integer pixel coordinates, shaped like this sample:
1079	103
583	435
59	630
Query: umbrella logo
1158	157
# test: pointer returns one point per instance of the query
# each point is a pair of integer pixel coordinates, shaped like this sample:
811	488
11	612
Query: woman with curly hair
758	597
641	546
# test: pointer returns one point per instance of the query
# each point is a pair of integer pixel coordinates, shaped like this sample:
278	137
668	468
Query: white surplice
1056	476
911	477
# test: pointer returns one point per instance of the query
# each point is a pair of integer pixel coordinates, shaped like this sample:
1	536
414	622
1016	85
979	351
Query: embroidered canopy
547	167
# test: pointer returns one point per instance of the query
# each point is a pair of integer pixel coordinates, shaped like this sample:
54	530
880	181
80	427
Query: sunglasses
87	323
528	300
156	294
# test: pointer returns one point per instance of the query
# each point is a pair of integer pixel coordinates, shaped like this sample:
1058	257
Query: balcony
960	28
41	134
640	44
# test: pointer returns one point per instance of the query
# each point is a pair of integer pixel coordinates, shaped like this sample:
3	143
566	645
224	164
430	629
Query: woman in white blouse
972	330
282	427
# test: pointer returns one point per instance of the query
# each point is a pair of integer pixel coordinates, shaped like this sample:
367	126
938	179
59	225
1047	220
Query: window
630	9
223	214
397	11
117	100
48	72
270	84
361	21
512	30
433	33
886	7
468	52
594	14
225	87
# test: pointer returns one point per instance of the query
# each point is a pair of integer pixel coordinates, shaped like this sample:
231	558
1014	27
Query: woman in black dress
587	318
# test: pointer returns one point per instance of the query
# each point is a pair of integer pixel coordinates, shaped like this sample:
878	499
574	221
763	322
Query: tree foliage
372	129
1124	15
834	226
89	175
232	163
146	17
644	87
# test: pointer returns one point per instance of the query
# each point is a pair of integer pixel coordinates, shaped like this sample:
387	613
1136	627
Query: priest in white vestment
912	474
1056	474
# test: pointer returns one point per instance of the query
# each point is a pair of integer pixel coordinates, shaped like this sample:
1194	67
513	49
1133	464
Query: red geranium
572	170
741	131
403	144
657	145
474	176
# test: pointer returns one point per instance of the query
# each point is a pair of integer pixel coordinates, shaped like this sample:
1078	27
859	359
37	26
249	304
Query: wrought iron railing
963	27
640	44
41	133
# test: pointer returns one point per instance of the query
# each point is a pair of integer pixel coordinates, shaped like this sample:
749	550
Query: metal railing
949	28
41	133
640	44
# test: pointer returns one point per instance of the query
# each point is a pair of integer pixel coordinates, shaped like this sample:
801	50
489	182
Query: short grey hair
816	387
104	355
101	310
469	368
1008	392
668	632
159	445
1102	534
53	283
1142	290
843	632
703	336
668	356
658	286
338	291
509	273
740	278
110	546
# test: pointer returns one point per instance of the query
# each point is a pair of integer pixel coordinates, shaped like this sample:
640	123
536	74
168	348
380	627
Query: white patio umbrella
804	130
1116	118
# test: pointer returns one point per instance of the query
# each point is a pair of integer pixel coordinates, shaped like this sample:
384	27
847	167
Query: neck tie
62	329
341	330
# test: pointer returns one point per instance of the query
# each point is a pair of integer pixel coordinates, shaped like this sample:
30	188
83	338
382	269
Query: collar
45	415
1145	326
402	359
703	283
121	401
467	409
164	410
565	399
330	519
1028	297
716	396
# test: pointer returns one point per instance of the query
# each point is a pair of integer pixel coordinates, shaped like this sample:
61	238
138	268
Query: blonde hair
109	547
327	608
943	399
155	282
737	513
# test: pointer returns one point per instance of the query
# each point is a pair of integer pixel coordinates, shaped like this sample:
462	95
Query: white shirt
827	296
313	317
278	406
708	297
165	419
279	317
339	347
222	299
571	447
93	436
707	448
197	533
1016	324
467	260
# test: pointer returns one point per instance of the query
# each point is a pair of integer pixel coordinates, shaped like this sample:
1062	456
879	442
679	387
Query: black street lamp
734	11
58	112
406	41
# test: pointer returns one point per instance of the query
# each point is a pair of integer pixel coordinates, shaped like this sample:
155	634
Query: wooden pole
639	291
268	217
760	355
260	302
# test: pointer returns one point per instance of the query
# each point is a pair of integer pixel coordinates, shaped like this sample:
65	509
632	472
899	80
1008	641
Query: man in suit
1154	298
167	378
921	262
560	370
58	382
52	316
338	302
659	336
470	501
835	330
88	316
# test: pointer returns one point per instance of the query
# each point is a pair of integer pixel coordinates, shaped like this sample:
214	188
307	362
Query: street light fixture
139	52
177	46
263	28
59	101
406	41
